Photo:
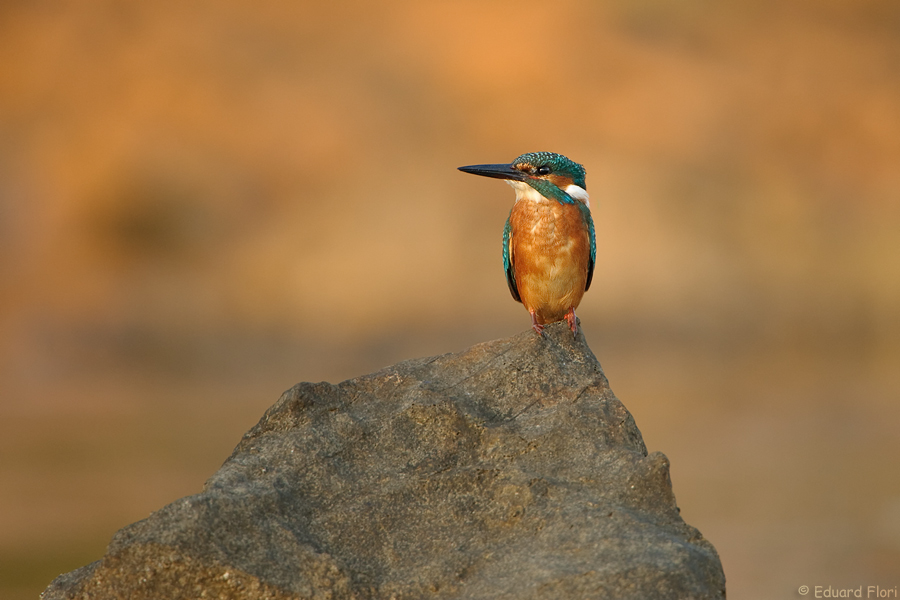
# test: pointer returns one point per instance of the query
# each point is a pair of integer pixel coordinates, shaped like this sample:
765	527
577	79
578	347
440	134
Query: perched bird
548	242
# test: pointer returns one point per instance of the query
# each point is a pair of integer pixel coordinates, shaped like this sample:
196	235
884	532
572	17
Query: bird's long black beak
496	171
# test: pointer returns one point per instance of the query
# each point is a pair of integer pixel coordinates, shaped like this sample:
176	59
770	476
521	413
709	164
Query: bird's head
551	175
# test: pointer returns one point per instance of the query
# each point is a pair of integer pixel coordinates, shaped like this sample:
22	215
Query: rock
509	470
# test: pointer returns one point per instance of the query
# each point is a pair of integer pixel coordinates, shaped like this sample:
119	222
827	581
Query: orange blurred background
203	203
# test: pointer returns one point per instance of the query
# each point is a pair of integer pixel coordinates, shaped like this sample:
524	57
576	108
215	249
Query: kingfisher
549	246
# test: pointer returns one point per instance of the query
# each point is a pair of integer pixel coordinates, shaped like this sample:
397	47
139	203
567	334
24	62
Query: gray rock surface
509	470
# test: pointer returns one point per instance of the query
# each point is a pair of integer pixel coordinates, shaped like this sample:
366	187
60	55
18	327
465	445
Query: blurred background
203	203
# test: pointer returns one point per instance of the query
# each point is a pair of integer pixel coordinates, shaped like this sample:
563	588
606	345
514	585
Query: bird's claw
538	327
571	320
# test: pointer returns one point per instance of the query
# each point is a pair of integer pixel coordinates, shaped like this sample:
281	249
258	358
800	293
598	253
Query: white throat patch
525	191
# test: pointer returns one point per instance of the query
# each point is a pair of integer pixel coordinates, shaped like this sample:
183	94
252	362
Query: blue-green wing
508	267
586	213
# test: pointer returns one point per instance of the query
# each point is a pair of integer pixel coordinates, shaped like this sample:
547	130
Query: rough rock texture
509	470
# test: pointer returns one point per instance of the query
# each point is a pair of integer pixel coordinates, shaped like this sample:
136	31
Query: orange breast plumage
550	254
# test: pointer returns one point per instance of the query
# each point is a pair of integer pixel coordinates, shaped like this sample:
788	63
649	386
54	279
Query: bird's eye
545	170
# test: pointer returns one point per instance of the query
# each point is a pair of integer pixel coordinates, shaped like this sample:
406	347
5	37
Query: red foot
535	325
570	319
